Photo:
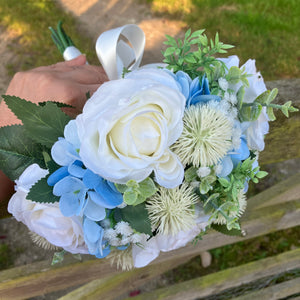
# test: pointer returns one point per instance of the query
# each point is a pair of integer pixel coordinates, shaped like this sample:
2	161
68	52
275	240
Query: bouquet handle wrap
115	54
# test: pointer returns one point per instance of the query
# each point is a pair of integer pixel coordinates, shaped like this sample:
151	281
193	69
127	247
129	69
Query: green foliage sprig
24	145
251	111
135	193
180	56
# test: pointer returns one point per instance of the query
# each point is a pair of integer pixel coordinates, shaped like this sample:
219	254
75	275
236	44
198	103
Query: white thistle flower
122	258
203	172
171	210
242	204
41	241
223	83
206	136
124	229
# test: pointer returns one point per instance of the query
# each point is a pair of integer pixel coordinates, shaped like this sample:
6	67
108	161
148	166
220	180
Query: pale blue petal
91	180
76	169
63	153
71	135
67	185
111	198
92	230
227	166
68	204
57	176
94	212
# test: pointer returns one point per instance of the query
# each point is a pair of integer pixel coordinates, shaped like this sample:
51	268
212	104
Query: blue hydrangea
93	236
195	91
233	158
82	192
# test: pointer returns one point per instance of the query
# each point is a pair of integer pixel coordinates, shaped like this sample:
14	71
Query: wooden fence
274	209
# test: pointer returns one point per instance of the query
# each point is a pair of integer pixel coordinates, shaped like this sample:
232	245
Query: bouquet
159	154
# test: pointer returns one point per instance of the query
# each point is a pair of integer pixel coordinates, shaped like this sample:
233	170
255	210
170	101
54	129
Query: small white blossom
115	242
109	234
223	83
203	172
123	228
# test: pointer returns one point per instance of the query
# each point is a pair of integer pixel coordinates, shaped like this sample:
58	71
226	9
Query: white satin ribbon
115	54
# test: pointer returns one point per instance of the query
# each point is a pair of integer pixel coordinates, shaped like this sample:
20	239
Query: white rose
254	131
45	219
143	254
128	125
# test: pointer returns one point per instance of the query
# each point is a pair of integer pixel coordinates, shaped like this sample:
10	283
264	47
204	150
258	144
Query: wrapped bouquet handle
115	54
113	51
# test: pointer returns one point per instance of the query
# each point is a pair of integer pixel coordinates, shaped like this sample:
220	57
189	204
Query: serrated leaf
18	151
223	229
44	124
137	217
41	192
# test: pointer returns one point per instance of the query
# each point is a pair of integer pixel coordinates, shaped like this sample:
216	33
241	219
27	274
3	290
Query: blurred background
265	30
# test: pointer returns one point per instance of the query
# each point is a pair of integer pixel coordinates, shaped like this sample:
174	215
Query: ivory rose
45	219
128	125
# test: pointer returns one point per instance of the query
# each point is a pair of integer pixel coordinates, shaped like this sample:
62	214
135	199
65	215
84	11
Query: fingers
86	75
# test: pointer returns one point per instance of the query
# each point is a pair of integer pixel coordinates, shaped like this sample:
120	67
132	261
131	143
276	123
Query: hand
66	82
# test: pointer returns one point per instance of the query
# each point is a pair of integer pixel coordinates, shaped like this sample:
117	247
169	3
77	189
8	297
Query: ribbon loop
115	54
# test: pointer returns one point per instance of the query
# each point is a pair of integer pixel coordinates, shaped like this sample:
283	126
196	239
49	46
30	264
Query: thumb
78	61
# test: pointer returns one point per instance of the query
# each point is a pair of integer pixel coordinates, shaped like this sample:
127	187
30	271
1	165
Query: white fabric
115	54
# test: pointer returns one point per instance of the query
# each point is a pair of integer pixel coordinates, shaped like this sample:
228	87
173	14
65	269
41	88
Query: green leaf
130	197
137	217
261	174
272	95
270	113
41	192
190	174
223	229
44	124
240	96
224	182
255	111
147	188
234	75
169	51
18	151
58	257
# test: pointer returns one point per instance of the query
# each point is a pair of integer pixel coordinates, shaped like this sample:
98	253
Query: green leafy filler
135	193
24	145
194	54
251	111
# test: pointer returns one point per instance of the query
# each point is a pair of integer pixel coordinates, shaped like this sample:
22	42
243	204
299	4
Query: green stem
277	106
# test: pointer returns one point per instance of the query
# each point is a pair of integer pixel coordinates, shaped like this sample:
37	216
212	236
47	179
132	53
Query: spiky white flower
171	210
223	83
123	228
206	136
242	204
41	241
122	258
